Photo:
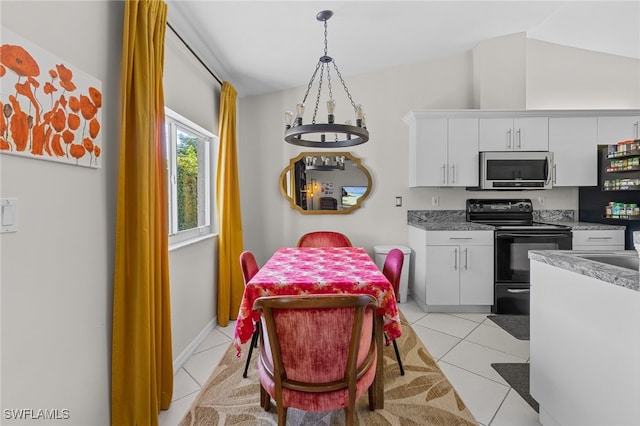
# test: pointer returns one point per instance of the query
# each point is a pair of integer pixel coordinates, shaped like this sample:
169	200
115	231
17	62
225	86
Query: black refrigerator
618	183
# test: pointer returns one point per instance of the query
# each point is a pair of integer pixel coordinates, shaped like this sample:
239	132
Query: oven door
512	247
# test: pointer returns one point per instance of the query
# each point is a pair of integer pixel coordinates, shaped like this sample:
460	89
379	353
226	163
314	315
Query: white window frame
175	122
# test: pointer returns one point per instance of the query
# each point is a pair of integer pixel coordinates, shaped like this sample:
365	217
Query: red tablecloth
326	270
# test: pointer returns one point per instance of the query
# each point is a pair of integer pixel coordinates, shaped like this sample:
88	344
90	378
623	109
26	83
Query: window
189	178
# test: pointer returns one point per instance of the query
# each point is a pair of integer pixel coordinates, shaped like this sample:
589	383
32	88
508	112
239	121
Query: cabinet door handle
599	238
516	291
509	139
637	126
453	174
519	132
444	173
466	259
455	259
460	238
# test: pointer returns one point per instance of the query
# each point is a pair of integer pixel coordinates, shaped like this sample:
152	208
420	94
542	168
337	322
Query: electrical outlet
542	200
435	201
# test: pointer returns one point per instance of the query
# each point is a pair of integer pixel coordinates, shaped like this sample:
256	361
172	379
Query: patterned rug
423	396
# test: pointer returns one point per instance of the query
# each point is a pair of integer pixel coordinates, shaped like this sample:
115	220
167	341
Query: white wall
601	81
57	270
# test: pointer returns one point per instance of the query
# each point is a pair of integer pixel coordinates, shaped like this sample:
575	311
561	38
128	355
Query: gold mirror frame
288	180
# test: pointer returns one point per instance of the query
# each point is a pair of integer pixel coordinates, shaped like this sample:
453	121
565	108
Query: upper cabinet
573	143
444	145
443	151
514	134
614	129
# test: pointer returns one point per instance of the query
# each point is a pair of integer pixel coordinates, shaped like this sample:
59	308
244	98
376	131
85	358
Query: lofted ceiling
266	46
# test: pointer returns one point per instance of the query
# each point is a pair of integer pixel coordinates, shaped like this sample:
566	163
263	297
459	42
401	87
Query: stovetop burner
508	214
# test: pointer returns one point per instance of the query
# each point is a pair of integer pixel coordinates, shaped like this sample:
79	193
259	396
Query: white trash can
381	254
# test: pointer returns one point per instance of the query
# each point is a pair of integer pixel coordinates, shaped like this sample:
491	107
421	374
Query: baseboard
188	351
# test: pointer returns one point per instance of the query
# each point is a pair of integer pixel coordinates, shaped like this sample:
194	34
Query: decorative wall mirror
325	183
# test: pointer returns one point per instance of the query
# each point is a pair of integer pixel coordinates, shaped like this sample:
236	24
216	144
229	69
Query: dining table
323	270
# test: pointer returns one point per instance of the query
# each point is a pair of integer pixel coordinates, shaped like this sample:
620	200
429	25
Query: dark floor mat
517	375
515	325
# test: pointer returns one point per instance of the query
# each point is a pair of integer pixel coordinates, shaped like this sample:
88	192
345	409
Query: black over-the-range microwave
514	170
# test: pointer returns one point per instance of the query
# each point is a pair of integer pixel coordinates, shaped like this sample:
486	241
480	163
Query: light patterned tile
515	411
481	395
201	365
183	384
411	311
449	324
437	343
478	359
498	339
214	339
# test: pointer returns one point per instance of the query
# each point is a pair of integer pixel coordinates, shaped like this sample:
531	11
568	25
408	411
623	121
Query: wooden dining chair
317	352
392	269
249	269
324	239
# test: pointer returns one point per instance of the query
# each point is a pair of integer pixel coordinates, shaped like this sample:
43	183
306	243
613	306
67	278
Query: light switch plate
8	215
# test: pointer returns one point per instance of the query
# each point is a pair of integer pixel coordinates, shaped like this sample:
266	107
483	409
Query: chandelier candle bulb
331	107
300	111
288	119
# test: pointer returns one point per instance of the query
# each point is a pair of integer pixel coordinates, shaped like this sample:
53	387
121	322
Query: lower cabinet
453	269
598	239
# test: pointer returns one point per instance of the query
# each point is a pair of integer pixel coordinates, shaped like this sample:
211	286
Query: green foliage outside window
187	162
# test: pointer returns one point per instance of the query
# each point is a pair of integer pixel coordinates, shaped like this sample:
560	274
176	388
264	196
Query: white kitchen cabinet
452	269
443	152
514	134
614	129
573	141
598	239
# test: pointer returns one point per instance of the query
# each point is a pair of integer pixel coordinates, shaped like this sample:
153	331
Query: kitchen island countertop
570	261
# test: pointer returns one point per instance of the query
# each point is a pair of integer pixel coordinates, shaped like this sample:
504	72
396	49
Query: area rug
517	375
515	325
423	396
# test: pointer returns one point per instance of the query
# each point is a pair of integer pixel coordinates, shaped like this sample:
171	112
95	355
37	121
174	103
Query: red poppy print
54	114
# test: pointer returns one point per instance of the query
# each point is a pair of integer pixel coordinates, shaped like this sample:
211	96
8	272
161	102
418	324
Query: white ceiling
266	46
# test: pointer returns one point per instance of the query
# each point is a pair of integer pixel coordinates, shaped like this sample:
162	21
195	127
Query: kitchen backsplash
554	215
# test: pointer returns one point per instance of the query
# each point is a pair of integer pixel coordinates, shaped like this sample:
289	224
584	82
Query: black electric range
515	234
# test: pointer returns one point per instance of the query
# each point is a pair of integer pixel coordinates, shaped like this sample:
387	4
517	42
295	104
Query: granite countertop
568	260
586	226
450	226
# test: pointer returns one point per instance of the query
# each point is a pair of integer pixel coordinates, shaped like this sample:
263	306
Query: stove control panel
499	205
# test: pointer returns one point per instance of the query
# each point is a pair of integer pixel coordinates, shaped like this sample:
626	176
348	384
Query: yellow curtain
142	363
230	282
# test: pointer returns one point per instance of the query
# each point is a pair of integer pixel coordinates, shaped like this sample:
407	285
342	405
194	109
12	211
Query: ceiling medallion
329	134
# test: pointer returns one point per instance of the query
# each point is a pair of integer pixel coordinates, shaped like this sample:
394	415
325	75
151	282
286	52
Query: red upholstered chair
392	269
324	239
249	269
317	352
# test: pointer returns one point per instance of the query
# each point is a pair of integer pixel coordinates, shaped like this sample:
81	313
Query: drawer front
598	238
456	238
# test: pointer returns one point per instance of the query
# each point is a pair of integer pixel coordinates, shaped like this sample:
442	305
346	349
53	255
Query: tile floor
464	345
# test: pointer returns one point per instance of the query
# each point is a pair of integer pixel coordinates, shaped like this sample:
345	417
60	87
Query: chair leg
265	398
395	348
372	397
254	342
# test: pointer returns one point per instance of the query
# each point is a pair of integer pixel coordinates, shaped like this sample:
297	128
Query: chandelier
329	134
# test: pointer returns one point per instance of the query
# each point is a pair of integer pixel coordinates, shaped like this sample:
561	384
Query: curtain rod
194	53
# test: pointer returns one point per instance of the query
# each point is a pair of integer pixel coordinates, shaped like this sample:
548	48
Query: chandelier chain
315	110
344	85
313	77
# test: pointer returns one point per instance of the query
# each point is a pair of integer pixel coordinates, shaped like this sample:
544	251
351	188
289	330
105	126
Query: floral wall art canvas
49	109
